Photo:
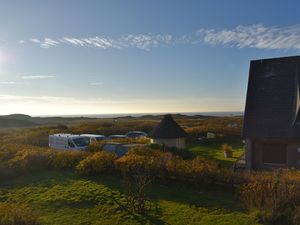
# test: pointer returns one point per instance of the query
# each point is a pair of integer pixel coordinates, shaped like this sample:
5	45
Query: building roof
272	104
167	128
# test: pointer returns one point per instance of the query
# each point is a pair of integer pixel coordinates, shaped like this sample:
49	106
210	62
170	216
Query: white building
169	133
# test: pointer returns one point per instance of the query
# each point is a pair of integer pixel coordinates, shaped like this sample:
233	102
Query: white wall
175	142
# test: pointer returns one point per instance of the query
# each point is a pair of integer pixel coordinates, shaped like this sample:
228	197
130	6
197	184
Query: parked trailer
68	142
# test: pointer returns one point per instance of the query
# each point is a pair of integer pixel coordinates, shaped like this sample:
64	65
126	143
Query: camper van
68	142
94	137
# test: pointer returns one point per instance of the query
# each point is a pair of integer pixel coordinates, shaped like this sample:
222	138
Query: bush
67	159
96	146
198	171
274	194
99	162
16	214
227	149
32	159
184	153
144	159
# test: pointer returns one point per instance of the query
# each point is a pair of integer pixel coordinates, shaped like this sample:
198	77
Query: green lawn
214	152
66	198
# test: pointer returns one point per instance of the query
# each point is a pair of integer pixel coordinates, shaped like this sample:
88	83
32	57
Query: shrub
16	214
32	159
99	162
184	153
274	194
67	159
144	160
198	171
96	146
227	149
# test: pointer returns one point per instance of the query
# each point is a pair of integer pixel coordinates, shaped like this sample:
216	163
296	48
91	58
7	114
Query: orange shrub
274	194
99	162
67	159
32	159
16	214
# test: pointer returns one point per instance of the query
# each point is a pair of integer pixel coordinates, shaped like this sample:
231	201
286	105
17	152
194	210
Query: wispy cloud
141	41
253	36
45	43
96	83
7	82
145	41
38	77
96	42
21	42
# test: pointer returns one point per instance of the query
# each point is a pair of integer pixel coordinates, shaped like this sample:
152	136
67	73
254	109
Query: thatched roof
168	129
273	100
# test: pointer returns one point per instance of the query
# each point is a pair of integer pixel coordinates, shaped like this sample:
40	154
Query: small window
274	154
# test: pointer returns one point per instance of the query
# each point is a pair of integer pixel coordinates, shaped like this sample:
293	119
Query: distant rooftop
167	128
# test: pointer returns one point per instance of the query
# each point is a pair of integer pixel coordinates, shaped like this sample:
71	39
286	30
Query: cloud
52	105
253	36
256	36
140	41
145	41
96	42
34	40
96	83
7	82
38	77
45	43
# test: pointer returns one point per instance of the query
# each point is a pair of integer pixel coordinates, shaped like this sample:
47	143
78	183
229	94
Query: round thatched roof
167	128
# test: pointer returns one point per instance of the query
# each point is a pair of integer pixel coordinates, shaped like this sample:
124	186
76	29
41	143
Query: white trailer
68	142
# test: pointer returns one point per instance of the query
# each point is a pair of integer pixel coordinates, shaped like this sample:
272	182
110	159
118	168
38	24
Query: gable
273	99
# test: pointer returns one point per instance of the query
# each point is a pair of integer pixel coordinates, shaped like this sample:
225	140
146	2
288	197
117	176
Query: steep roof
167	128
273	101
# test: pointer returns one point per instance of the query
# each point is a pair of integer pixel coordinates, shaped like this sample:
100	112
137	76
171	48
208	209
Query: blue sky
94	57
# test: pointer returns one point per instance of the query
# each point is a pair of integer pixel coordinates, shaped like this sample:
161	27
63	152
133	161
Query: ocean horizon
113	115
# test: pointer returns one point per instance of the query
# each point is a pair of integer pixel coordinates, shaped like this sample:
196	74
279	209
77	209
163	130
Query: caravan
68	142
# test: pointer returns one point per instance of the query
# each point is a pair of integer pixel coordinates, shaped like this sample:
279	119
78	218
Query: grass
214	152
66	198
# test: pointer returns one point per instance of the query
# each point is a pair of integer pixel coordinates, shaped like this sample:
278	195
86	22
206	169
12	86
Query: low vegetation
150	184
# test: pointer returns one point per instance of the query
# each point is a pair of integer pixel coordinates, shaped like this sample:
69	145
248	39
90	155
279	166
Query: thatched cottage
272	116
169	133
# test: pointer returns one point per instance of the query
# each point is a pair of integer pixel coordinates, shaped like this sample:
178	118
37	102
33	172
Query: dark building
272	117
168	132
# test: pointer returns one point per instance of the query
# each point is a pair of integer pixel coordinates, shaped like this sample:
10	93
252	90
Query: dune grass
215	152
66	198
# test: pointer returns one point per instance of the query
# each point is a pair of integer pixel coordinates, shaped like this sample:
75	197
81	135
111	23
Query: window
71	144
81	142
274	154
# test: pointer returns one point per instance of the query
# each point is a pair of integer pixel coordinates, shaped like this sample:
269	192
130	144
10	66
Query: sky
71	57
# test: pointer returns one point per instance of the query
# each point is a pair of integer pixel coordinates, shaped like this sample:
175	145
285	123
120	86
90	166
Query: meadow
149	185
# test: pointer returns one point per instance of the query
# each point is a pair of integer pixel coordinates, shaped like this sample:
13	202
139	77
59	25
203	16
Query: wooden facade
264	154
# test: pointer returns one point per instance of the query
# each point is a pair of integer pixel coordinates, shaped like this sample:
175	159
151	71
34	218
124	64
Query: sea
113	115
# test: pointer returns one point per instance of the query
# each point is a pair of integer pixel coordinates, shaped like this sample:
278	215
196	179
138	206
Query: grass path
65	198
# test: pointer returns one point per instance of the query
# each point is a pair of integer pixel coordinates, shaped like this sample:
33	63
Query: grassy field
214	152
66	198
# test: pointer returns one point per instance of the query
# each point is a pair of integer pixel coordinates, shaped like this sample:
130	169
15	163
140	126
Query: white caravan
68	142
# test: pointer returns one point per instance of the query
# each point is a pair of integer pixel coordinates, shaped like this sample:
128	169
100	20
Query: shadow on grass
211	197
